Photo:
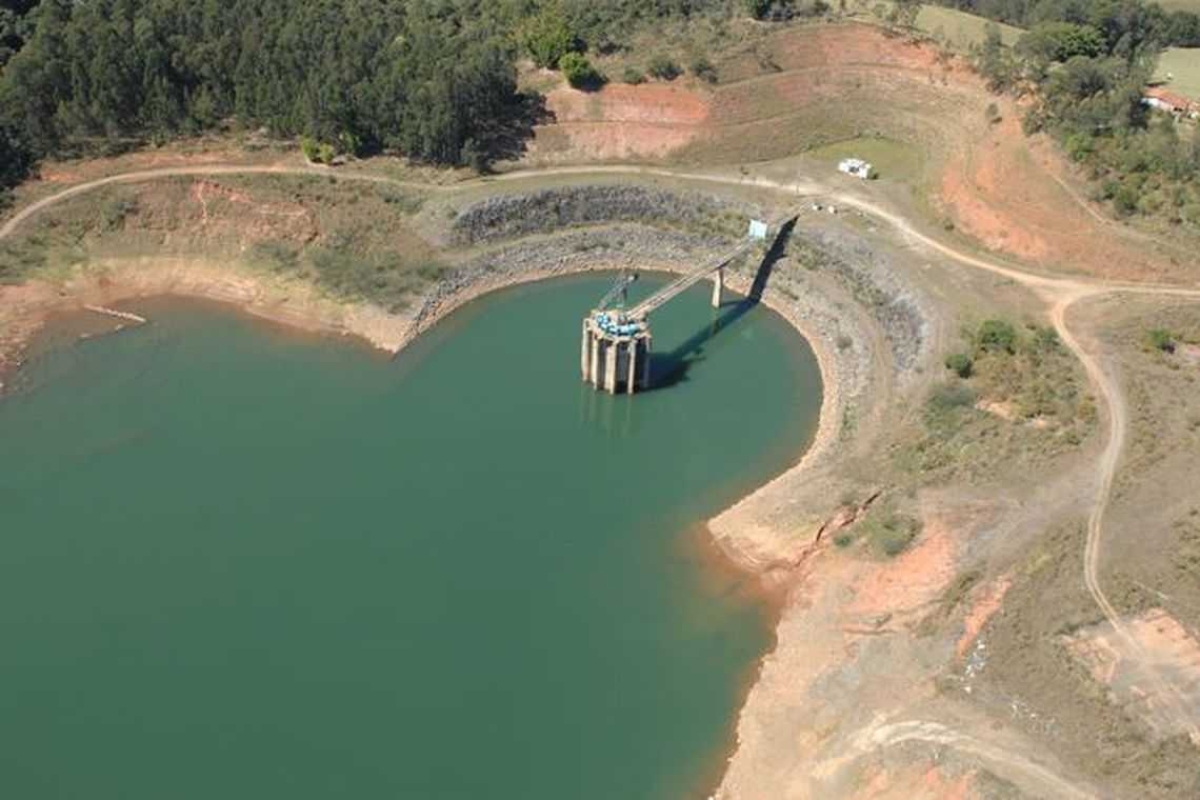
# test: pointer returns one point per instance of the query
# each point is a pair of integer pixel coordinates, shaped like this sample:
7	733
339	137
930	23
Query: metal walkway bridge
615	349
690	279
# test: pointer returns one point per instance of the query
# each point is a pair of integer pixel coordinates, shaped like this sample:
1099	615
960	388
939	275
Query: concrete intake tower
615	352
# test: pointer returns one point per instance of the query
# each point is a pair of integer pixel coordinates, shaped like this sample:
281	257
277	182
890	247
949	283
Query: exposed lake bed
479	582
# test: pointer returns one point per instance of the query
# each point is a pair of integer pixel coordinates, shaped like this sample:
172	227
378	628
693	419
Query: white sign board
758	229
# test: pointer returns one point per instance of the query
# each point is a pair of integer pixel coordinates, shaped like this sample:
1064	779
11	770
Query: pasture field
1183	65
956	29
1180	5
894	161
959	29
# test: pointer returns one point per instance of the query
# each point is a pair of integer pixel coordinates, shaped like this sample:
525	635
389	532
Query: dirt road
881	734
1060	294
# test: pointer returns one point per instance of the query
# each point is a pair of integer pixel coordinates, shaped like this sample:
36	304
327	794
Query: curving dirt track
1060	295
880	734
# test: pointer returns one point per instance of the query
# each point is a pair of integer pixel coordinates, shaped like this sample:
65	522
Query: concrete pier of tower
614	353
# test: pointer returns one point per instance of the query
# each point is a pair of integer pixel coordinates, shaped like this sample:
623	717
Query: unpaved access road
1060	294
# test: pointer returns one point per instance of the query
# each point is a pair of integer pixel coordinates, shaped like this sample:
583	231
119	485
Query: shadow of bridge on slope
671	367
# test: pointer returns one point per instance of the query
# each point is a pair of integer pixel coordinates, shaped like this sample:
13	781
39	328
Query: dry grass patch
884	531
355	241
1153	554
1032	678
1013	398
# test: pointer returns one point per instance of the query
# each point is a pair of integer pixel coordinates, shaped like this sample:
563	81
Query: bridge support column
718	284
594	363
610	366
631	373
585	352
645	363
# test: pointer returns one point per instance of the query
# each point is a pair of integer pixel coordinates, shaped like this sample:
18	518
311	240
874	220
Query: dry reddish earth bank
1014	194
25	308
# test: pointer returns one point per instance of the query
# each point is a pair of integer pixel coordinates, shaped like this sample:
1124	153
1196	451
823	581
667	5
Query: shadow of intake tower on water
671	368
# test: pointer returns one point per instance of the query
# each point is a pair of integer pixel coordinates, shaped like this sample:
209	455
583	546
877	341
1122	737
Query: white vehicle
856	167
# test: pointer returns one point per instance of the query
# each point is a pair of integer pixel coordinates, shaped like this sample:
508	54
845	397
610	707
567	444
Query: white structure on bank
856	167
1171	102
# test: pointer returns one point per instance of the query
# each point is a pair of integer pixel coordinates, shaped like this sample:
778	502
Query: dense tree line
1086	70
433	79
1137	20
423	77
15	26
779	10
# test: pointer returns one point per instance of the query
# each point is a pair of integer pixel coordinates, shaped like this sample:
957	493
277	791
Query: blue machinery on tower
614	354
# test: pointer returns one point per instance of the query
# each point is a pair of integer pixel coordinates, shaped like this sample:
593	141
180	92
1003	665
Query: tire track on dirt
999	759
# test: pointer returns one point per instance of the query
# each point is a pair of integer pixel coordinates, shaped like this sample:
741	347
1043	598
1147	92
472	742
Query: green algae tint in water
238	564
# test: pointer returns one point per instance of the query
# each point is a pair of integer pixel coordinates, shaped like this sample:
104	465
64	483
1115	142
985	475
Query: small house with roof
1172	102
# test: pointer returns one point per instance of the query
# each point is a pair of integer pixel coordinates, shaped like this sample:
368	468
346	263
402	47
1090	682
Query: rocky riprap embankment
602	248
877	287
548	210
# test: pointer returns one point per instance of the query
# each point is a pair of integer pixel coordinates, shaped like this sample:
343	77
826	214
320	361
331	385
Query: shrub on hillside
782	10
949	398
890	533
1125	199
579	72
633	75
996	335
960	364
1161	339
703	69
309	148
758	9
317	152
664	68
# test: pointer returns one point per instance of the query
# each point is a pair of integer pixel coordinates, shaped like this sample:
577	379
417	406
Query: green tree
994	61
703	69
1060	41
475	157
16	159
548	37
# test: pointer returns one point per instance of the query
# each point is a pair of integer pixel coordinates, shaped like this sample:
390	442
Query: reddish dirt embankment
26	307
620	122
807	86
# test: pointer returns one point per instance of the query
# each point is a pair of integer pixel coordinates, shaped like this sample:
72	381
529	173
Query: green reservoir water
236	563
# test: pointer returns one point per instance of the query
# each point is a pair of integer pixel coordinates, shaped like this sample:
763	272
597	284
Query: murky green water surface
236	563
